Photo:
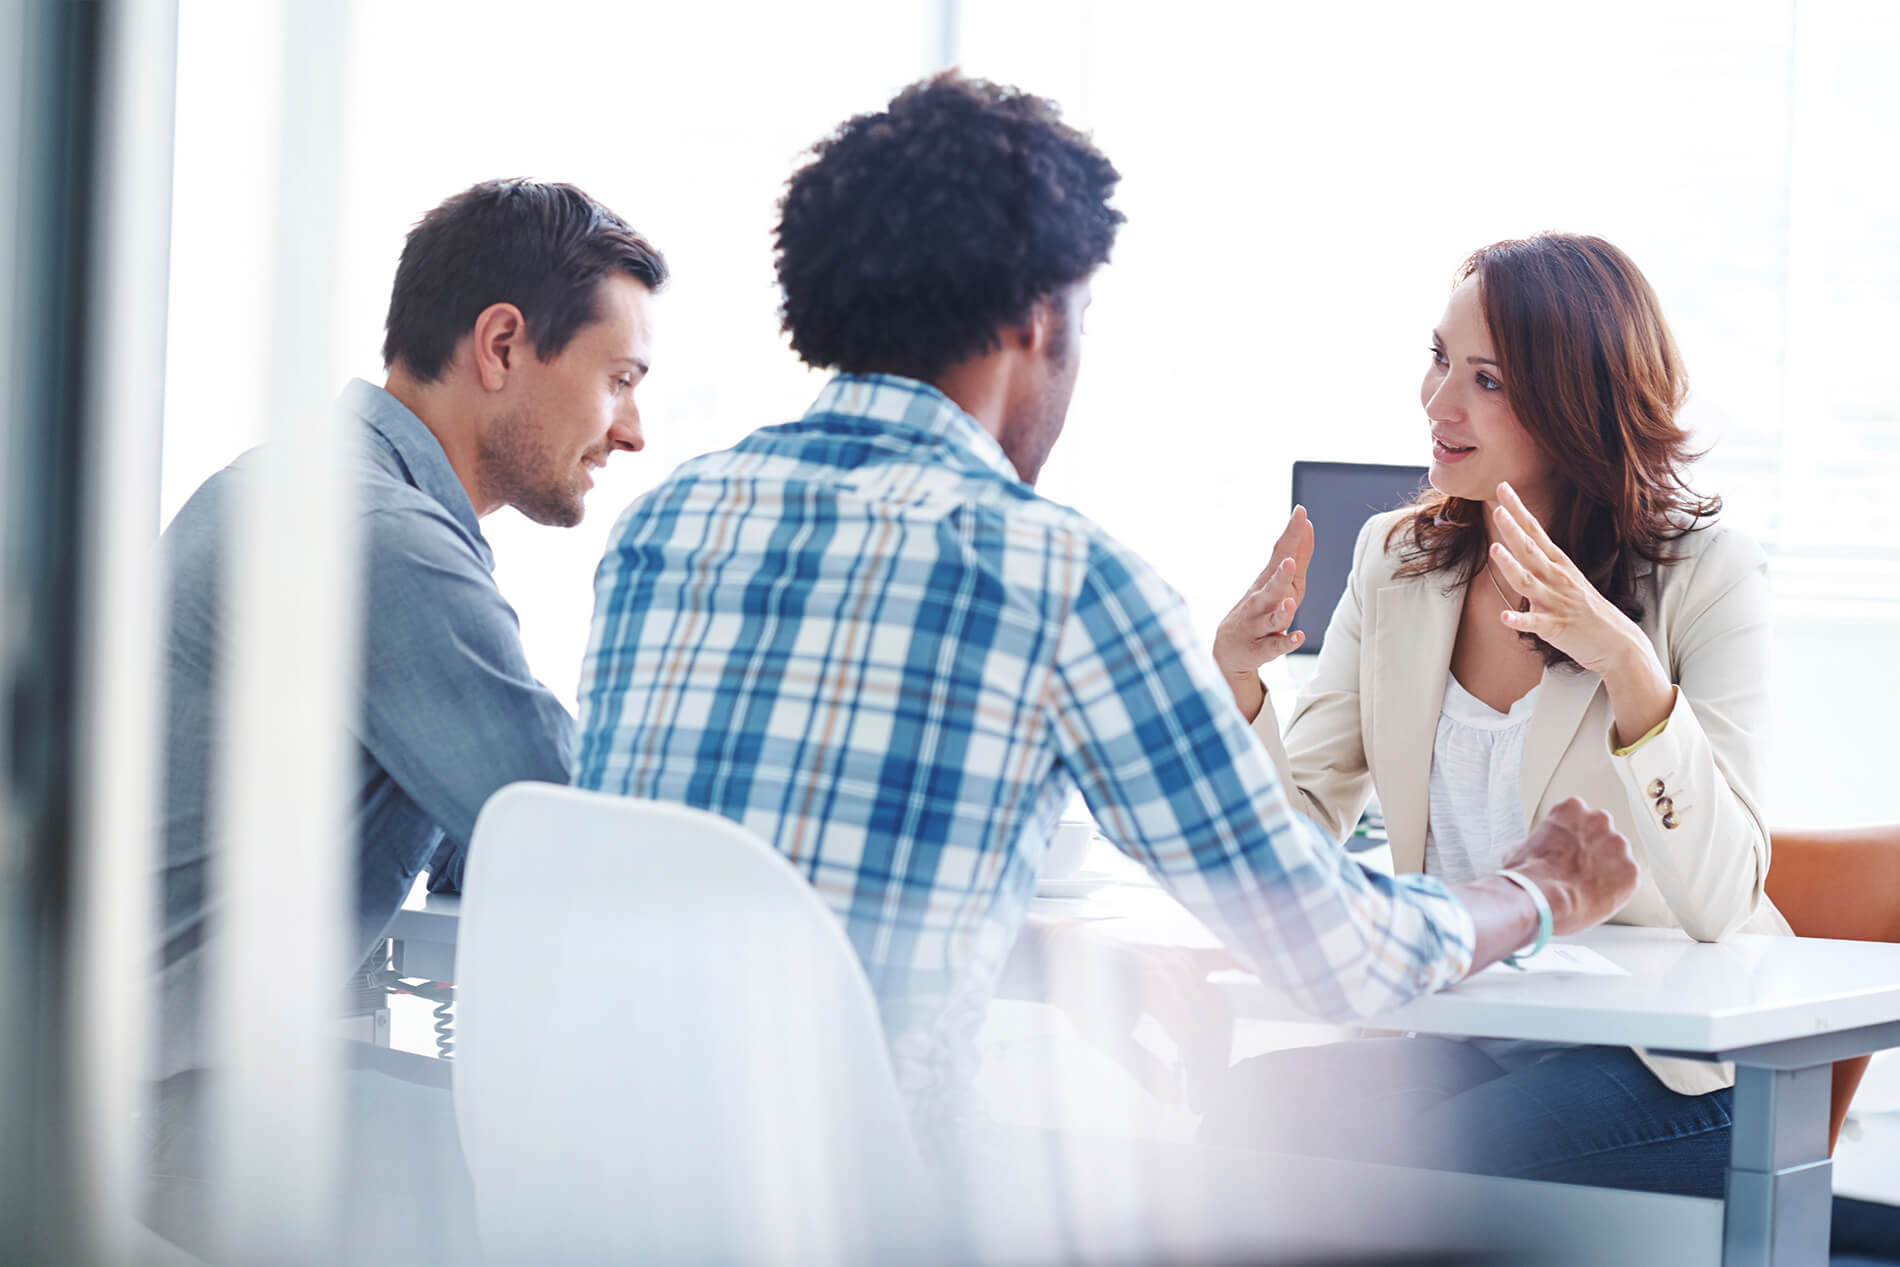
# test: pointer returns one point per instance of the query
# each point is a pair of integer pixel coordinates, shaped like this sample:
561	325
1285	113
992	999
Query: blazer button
1669	822
1665	806
1656	788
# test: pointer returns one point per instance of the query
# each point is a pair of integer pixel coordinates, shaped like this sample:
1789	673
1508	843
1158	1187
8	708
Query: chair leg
1847	1076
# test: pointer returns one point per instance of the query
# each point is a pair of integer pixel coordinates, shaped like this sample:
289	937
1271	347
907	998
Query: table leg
1780	1180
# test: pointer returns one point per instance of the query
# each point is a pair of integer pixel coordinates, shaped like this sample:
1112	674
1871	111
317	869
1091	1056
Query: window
682	119
1300	188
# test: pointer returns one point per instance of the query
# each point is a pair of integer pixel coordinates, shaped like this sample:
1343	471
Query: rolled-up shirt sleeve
450	708
1177	780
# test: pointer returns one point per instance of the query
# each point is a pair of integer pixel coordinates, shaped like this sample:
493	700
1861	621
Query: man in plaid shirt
865	637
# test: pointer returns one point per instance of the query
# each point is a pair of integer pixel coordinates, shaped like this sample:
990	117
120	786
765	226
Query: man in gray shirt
518	331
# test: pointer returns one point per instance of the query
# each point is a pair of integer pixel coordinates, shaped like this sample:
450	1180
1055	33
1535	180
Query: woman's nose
1442	401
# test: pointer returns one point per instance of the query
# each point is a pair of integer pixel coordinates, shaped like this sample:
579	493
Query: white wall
686	119
1300	182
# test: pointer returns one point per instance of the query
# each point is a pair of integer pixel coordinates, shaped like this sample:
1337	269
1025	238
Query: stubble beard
1029	439
519	470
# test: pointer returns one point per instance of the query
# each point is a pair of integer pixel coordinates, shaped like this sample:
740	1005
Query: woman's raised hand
1255	631
1566	611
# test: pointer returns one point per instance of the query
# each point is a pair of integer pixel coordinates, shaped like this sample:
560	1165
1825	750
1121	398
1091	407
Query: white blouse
1477	814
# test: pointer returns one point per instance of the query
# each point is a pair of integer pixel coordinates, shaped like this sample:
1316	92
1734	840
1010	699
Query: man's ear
497	341
1036	331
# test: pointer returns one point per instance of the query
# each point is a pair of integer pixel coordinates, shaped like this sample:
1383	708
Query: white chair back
666	1049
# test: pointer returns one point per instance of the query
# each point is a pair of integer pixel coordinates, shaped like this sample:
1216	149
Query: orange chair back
1842	883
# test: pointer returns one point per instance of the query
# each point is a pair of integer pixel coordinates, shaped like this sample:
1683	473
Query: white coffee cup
1067	848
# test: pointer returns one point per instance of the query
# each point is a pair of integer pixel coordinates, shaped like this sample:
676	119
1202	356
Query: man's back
840	636
449	709
865	638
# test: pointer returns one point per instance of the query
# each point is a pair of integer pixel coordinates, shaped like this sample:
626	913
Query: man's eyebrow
643	366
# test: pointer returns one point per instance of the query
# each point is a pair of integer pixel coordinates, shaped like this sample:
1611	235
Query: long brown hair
1593	374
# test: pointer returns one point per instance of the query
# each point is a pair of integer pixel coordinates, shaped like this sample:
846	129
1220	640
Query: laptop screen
1339	497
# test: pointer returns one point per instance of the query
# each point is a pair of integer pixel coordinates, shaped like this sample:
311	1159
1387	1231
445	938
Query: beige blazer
1369	718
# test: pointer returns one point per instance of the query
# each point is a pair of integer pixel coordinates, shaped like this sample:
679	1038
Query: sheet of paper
1562	957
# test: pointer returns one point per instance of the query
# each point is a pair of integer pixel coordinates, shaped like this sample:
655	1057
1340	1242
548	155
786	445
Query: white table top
1679	995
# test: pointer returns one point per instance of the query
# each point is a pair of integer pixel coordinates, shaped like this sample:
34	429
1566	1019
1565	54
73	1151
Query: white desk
1781	1008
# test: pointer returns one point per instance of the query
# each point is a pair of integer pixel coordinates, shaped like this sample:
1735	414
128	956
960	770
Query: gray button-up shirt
449	709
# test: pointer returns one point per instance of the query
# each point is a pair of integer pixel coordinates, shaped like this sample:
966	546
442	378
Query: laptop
1339	497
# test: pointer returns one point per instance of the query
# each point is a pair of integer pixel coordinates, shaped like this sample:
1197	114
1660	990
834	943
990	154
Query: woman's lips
1442	452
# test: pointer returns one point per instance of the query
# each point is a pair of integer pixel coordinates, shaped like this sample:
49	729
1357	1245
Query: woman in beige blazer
1558	616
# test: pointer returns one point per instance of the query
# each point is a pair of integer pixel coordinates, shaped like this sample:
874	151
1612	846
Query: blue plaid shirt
864	638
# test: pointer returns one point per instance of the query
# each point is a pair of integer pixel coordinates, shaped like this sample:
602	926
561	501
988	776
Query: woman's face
1477	441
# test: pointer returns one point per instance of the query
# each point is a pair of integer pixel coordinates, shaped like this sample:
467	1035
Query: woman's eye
1488	383
1438	356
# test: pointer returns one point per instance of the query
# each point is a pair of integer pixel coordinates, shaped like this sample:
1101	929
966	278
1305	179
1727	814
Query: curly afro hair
915	234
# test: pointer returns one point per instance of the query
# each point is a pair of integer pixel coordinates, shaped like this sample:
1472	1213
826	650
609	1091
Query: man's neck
435	404
980	388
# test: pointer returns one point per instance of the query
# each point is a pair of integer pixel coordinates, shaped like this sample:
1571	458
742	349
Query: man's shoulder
397	515
201	519
397	519
388	500
1036	513
1105	564
416	557
792	454
377	492
1028	521
1033	523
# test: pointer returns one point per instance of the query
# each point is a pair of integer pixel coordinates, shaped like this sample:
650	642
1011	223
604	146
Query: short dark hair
915	234
542	247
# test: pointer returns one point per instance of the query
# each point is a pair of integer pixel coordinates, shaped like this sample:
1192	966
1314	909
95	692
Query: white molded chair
666	1049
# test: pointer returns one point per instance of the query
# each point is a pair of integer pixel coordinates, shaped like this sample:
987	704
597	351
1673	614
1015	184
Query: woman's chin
1455	482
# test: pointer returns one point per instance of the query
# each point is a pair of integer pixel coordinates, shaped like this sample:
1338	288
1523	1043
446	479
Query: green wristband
1543	916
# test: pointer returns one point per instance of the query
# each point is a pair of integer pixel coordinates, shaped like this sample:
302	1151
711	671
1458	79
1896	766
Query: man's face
569	413
1040	404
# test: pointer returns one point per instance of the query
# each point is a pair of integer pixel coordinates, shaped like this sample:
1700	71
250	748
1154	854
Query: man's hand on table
1580	862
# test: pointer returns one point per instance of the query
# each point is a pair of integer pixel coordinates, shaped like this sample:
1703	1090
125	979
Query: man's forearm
1502	915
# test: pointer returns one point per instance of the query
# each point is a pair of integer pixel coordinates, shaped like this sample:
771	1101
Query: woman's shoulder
1711	557
1381	548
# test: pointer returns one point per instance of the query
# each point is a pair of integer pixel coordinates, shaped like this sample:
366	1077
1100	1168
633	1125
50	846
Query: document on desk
1560	957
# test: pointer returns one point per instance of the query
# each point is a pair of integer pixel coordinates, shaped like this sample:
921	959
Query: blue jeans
1590	1115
